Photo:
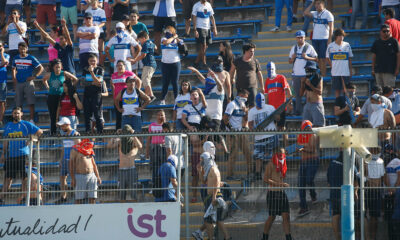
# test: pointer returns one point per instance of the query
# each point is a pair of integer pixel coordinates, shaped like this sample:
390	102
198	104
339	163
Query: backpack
305	48
158	193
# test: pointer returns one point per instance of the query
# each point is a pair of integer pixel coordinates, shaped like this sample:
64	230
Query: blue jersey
68	143
15	130
3	69
167	171
149	60
25	67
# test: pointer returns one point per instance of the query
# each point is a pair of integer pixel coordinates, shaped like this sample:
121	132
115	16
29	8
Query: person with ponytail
69	104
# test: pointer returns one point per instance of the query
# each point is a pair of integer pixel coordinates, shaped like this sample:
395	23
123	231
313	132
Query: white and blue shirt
192	115
16	130
68	143
321	21
122	47
130	102
170	52
25	67
339	56
392	169
300	62
99	16
236	113
258	115
164	8
203	12
215	102
180	102
13	35
3	69
92	45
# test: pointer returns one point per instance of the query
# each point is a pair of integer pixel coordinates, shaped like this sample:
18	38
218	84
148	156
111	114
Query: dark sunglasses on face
385	31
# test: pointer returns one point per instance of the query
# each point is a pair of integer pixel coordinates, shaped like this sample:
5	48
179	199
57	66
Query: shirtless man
277	200
387	121
311	87
83	172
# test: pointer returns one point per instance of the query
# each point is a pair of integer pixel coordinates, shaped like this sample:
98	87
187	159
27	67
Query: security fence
262	174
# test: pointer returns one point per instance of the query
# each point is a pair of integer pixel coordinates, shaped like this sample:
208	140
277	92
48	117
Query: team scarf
85	147
210	84
279	160
304	138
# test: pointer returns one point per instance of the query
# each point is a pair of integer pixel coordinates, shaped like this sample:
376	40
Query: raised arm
66	31
198	74
44	33
307	12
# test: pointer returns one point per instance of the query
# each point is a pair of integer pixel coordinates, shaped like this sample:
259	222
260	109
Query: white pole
28	194
38	172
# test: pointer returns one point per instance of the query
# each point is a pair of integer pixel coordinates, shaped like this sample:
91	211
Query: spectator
311	87
164	17
235	118
218	68
16	30
53	37
157	144
170	62
104	93
298	56
126	21
16	153
4	61
99	20
135	25
92	99
225	51
380	116
167	173
25	69
181	101
359	6
35	177
124	47
394	4
88	35
133	102
308	165
187	7
53	82
322	31
109	13
66	130
202	14
248	71
339	56
46	9
277	201
69	103
120	8
84	173
149	62
263	144
343	110
391	179
278	13
69	12
174	146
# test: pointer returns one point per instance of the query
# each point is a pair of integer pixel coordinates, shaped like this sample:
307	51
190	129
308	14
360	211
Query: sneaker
60	201
198	235
162	102
152	98
275	29
288	28
303	212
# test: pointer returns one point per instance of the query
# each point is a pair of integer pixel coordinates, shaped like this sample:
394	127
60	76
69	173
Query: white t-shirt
203	14
392	169
390	2
376	169
91	46
367	109
300	62
14	37
235	112
170	53
99	16
180	102
215	102
172	142
130	102
192	115
321	27
339	55
122	47
9	2
258	115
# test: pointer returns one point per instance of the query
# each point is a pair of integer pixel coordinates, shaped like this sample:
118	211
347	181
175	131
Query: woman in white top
170	62
180	102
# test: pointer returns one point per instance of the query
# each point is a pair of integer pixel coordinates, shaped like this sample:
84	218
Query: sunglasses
386	31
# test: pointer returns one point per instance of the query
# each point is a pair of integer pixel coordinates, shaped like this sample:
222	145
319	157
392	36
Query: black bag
205	121
183	49
158	193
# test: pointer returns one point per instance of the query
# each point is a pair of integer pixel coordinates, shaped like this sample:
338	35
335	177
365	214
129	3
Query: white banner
99	221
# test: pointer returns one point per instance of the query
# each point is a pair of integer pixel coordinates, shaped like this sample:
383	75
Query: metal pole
179	167
186	147
38	172
28	194
362	207
347	195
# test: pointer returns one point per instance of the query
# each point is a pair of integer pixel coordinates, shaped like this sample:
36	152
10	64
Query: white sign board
99	221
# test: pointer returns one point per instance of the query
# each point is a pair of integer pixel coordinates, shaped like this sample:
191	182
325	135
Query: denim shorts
320	46
3	92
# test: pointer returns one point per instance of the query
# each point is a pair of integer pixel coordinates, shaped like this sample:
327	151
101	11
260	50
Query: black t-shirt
66	54
386	55
345	118
119	11
87	80
246	73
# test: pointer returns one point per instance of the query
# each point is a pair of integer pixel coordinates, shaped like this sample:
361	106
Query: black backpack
158	193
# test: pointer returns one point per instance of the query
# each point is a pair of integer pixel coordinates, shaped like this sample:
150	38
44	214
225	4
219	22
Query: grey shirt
172	142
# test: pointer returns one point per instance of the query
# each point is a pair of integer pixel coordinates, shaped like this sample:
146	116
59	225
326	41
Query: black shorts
2	5
102	36
162	22
277	203
336	206
204	36
196	125
373	202
15	167
26	2
282	120
187	7
222	212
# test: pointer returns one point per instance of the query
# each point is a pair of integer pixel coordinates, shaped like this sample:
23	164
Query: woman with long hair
225	51
69	103
180	102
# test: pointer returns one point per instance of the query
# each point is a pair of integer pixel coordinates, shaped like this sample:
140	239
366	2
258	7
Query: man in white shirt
16	30
99	19
202	14
88	35
322	31
298	56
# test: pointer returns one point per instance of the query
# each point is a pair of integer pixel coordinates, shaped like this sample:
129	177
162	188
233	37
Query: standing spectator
393	23
133	102
339	56
181	101
359	6
46	9
391	179
170	62
225	51
16	153
66	130
88	35
124	47
157	144
109	12
16	30
187	7
53	82
53	38
69	12
25	69
135	25
278	13
202	14
167	173
218	68
298	56
385	58
248	71
394	4
4	61
342	109
120	8
69	103
164	17
99	20
174	146
149	62
322	31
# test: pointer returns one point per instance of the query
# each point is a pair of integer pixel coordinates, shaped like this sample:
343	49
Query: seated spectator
88	35
4	61
380	116
69	12
359	6
187	7
181	101
164	16
391	179
25	69
167	173
69	103
343	109
84	173
16	30
46	9
99	20
202	14
278	13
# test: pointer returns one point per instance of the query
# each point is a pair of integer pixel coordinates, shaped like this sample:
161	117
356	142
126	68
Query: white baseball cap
120	25
63	121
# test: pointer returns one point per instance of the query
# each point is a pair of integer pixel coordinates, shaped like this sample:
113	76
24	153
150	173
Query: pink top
53	53
155	127
119	81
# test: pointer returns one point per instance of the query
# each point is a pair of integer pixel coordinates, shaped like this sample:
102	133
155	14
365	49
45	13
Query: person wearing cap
125	47
167	173
385	58
88	35
278	13
66	130
99	19
299	54
264	144
342	108
164	16
322	30
311	88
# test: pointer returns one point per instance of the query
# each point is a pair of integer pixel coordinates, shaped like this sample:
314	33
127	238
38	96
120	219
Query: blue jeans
307	171
170	74
278	11
134	121
307	20
179	125
359	5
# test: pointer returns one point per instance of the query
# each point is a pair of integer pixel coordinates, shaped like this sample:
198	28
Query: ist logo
146	224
